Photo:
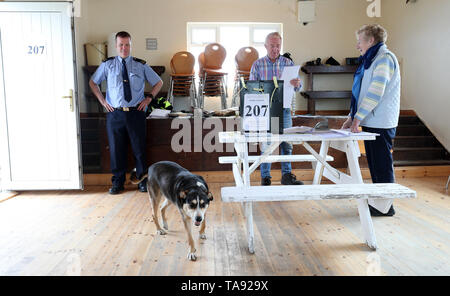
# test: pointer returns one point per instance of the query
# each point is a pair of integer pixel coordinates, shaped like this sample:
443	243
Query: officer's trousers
121	126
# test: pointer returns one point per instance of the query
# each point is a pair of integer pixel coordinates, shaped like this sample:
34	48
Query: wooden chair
213	80
244	59
182	78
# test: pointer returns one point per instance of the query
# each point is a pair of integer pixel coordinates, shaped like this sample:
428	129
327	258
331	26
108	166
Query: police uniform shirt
138	72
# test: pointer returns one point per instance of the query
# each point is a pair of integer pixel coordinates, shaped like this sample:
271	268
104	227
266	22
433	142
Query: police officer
126	105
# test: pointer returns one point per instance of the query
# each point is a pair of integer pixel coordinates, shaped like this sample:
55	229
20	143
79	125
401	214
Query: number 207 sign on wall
256	113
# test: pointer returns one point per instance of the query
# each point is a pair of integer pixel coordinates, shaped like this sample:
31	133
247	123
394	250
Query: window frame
278	27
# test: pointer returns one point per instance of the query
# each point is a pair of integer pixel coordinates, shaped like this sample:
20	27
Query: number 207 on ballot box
256	113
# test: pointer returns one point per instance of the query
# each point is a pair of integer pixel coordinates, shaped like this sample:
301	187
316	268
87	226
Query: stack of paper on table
159	113
298	130
324	132
305	130
347	132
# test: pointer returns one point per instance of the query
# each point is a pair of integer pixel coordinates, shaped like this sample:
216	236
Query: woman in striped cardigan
375	107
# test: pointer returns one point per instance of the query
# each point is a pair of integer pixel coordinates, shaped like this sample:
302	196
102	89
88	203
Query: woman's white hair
378	33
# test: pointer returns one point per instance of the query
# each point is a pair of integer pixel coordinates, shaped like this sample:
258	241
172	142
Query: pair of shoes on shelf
375	213
287	179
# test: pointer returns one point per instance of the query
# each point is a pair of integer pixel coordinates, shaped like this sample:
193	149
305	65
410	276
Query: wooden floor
92	233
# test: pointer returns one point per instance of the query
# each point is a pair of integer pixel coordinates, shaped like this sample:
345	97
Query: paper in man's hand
289	73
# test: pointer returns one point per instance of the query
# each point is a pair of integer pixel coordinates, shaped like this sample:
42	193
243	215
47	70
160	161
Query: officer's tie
126	82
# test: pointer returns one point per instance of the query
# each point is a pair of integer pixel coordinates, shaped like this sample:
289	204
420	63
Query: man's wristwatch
151	96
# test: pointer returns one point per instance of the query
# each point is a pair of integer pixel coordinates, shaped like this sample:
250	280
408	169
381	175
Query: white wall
331	34
419	36
81	29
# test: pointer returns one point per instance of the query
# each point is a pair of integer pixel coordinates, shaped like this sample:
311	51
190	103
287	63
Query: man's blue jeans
285	148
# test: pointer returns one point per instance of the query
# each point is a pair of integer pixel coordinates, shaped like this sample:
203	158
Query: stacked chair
244	59
182	78
213	80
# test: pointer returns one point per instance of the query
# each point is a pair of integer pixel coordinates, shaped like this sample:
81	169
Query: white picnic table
347	186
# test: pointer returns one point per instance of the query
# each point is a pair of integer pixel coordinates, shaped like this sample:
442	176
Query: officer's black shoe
143	186
290	179
266	181
375	213
116	190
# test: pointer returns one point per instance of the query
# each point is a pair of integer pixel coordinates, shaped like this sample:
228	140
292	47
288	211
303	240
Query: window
232	36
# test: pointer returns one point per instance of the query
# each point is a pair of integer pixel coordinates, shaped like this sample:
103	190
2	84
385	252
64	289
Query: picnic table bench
347	186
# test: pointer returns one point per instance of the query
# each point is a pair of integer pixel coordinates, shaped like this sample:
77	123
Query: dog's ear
183	194
210	196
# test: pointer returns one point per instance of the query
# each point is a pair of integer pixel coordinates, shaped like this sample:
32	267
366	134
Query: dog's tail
134	179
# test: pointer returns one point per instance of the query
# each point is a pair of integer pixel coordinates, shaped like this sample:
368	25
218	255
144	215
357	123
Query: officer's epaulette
139	61
108	59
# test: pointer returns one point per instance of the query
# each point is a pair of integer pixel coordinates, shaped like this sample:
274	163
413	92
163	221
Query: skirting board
5	195
304	175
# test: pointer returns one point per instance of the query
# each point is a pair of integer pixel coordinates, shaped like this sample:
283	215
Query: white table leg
248	206
363	207
318	166
267	152
366	224
250	233
335	173
237	169
237	175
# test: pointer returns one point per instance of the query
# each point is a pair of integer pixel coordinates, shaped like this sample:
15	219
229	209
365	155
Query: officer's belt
126	109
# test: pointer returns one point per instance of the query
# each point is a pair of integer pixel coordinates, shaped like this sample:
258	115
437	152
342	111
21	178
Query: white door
39	118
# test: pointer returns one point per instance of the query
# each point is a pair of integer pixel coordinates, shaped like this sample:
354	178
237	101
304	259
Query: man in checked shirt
264	69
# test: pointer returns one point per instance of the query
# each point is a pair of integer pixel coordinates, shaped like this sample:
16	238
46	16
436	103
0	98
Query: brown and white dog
189	192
